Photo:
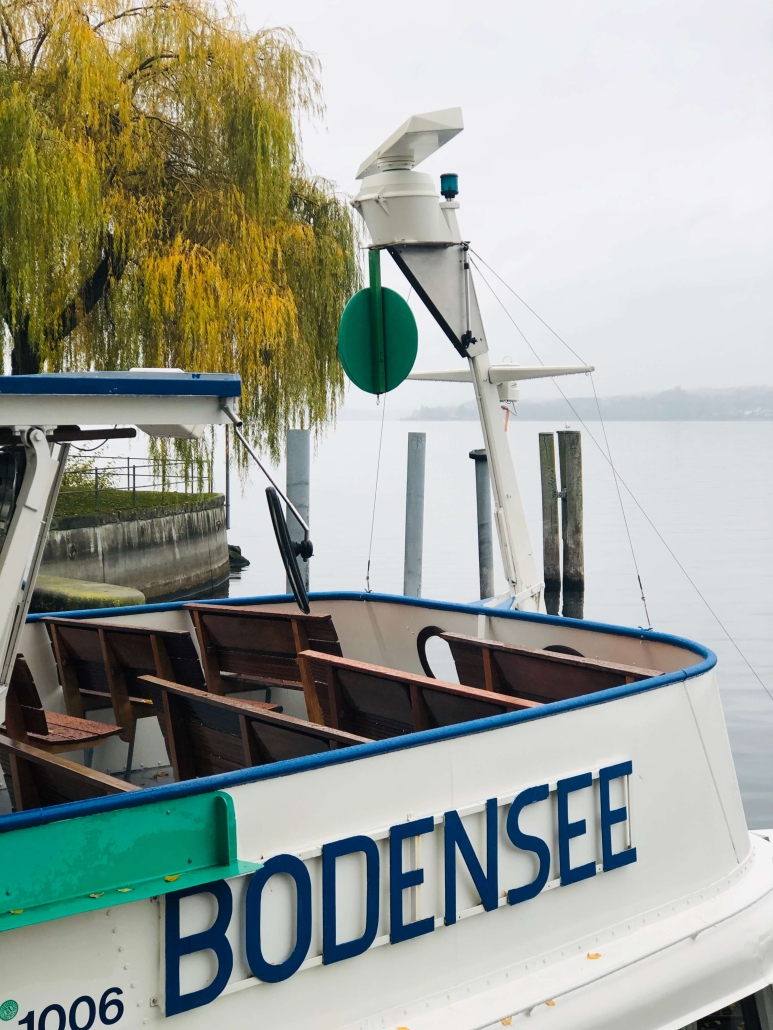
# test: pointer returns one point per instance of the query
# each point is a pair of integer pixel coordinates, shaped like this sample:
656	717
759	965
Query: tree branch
8	34
38	46
132	12
148	62
5	299
6	45
110	269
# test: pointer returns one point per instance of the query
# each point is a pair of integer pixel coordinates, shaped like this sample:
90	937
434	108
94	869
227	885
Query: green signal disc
356	349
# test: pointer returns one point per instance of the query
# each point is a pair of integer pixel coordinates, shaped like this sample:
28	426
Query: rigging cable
375	489
630	493
616	477
375	498
89	450
608	456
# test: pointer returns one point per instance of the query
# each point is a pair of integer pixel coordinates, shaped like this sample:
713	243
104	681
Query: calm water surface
704	485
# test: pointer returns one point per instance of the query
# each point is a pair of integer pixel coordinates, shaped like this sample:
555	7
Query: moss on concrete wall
110	501
60	594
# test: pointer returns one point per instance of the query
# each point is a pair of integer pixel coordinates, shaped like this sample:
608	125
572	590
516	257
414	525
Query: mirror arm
237	430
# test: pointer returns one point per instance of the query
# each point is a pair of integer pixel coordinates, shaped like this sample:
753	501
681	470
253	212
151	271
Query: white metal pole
514	540
298	490
485	538
414	515
22	549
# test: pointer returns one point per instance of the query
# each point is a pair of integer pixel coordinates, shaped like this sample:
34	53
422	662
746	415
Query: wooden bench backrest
377	702
23	709
248	646
207	734
37	779
81	664
540	675
108	661
168	653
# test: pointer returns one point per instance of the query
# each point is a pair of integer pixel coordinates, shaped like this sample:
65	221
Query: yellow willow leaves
154	204
49	194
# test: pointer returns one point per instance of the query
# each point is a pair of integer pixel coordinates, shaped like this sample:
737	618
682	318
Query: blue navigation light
449	185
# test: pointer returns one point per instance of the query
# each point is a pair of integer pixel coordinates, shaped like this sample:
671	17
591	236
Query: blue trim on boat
224	781
144	384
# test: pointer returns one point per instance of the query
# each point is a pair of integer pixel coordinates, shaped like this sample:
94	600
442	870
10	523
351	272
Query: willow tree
154	205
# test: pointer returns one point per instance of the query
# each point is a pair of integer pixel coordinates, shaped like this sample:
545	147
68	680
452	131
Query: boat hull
586	862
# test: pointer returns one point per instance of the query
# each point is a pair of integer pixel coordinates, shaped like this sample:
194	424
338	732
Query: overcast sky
616	168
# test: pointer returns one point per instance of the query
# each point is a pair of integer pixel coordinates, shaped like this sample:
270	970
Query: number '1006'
83	1013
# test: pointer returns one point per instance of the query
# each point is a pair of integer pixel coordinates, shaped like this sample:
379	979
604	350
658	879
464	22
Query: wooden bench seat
27	721
539	675
101	666
37	779
246	647
207	734
378	702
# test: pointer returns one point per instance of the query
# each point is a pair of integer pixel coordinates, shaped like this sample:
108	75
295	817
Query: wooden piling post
570	463
227	477
551	552
298	489
485	535
414	515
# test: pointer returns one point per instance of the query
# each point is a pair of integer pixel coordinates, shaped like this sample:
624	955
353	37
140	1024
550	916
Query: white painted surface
113	409
682	931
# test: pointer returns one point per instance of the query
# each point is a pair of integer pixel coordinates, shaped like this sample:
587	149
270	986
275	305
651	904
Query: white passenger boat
346	841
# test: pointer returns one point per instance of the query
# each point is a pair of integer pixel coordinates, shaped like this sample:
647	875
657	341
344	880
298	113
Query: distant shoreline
742	404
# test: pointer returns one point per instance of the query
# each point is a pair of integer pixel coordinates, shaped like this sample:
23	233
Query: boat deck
186	691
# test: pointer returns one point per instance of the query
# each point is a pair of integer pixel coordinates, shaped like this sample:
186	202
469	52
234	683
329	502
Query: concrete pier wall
167	553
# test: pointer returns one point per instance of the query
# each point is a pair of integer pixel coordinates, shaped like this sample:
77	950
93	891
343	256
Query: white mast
39	416
405	216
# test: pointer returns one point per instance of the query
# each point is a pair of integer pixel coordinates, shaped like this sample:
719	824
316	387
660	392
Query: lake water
706	486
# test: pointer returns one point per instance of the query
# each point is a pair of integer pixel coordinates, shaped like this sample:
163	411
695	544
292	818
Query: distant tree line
753	403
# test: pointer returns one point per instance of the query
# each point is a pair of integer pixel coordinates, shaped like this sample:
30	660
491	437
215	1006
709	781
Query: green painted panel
112	858
377	338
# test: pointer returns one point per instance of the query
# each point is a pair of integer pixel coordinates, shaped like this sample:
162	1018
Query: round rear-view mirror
289	550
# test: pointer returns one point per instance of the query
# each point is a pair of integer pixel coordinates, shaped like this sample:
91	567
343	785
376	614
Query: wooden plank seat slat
209	734
542	675
38	779
379	702
66	732
246	646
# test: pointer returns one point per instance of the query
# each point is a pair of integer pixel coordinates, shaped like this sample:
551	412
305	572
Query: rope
375	489
375	497
608	455
618	477
88	450
620	499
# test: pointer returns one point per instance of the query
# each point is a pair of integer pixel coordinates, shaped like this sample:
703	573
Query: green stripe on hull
112	858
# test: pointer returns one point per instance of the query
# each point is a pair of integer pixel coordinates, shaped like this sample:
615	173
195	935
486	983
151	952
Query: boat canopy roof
151	382
160	397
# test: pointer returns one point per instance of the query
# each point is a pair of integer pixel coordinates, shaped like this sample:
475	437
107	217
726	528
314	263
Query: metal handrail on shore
172	476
